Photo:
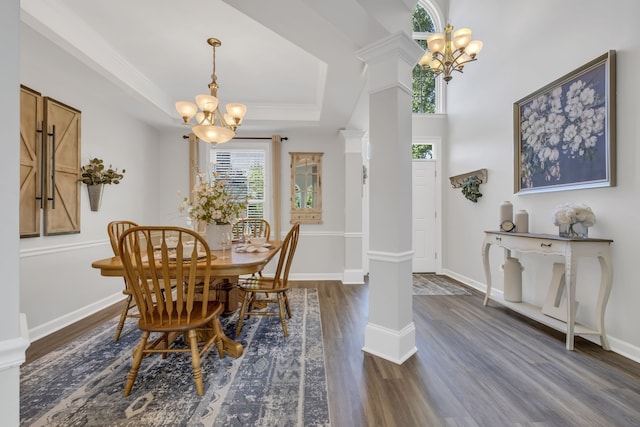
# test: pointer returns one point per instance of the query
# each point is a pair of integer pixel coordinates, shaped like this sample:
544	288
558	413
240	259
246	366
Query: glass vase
575	231
215	233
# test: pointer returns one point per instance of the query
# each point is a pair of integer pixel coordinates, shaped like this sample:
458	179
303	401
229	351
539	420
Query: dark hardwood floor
475	366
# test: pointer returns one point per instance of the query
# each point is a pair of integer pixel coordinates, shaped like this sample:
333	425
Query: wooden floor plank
475	366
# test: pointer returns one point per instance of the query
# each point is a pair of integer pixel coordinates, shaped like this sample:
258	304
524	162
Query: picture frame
565	133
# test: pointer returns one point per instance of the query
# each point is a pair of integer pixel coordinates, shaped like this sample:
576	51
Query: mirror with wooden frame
306	188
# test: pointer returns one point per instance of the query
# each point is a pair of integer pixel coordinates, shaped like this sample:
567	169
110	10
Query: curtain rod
284	138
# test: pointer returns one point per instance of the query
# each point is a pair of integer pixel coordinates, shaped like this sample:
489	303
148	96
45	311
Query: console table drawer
515	242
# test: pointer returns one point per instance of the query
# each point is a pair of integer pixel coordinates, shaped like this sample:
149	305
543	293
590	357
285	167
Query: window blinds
244	171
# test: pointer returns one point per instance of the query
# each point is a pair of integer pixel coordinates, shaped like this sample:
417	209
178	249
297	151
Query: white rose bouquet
571	213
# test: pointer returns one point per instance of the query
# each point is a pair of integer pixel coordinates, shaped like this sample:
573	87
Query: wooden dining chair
115	230
165	276
259	227
270	290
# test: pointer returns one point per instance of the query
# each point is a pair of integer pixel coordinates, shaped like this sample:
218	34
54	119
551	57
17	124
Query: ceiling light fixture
446	54
211	126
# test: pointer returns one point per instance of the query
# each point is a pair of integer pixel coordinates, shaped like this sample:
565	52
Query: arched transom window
424	82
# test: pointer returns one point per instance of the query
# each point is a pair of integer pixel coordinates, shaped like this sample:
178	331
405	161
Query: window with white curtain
245	167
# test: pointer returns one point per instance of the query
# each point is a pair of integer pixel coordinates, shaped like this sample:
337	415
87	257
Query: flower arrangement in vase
214	205
95	175
573	219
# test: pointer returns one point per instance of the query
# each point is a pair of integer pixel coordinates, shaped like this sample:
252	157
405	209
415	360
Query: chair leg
137	358
123	317
282	318
165	341
243	310
250	304
195	361
286	304
217	330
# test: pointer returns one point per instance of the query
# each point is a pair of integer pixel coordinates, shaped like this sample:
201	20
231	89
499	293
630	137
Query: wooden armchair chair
115	230
270	290
259	228
168	293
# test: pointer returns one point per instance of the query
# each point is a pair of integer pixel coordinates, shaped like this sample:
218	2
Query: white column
12	343
390	332
353	273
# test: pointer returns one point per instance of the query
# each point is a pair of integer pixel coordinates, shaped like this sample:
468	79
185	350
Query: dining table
225	271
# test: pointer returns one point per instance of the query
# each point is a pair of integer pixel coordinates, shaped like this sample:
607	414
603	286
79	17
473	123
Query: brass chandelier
446	54
211	126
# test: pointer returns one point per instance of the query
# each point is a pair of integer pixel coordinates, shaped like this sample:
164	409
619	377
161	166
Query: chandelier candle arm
446	53
211	126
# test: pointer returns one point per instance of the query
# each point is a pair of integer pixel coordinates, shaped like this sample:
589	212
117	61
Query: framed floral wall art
564	133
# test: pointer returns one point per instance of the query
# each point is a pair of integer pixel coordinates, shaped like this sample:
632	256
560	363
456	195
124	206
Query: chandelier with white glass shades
211	126
446	54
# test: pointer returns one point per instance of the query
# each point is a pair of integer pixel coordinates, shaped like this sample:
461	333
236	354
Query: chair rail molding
46	250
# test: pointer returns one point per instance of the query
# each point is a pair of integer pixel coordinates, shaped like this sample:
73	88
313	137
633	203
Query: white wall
57	284
526	46
320	251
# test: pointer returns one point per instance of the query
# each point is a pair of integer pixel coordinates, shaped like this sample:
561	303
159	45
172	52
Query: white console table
572	250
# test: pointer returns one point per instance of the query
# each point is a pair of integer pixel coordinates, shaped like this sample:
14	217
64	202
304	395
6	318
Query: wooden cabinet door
31	116
62	207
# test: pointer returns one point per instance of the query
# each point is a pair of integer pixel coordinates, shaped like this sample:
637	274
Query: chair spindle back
287	250
259	228
164	266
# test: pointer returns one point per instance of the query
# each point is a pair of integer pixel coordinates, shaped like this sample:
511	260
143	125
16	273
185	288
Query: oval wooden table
225	270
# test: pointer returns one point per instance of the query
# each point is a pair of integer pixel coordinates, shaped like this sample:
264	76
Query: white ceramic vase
522	221
512	280
215	233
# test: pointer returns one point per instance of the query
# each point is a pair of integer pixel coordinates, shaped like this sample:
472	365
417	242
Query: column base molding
353	277
392	345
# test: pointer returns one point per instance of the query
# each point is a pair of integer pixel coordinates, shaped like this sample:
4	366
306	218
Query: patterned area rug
278	380
434	284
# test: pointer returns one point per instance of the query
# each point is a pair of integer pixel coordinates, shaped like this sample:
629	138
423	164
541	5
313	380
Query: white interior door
424	216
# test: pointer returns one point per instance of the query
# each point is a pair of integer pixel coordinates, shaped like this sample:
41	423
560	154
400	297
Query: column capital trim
399	45
390	61
353	133
353	140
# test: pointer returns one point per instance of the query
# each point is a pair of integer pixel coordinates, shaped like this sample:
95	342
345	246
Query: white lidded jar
522	221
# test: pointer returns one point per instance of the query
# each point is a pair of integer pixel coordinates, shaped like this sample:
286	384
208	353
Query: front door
424	216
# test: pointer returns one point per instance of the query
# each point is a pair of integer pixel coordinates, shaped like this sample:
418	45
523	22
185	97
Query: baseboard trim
12	351
315	276
73	317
